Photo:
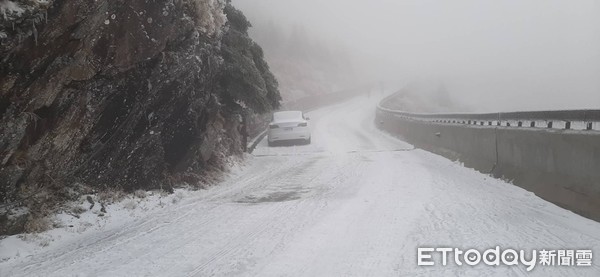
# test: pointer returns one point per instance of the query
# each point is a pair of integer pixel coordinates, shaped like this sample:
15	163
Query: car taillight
273	126
304	124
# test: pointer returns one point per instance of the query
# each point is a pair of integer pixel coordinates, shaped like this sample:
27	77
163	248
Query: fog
490	55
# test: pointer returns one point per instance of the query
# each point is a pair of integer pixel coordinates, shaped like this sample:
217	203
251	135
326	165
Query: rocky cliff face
135	94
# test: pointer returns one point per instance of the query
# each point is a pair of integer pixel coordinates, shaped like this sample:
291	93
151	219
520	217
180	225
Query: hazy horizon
491	55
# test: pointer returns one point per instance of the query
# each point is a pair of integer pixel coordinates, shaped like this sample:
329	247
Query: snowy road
356	202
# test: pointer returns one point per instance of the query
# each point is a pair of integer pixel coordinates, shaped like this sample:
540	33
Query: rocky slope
135	94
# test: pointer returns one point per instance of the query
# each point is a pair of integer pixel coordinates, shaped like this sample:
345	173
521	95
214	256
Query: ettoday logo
510	257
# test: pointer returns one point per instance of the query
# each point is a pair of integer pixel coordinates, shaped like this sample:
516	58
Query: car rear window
289	115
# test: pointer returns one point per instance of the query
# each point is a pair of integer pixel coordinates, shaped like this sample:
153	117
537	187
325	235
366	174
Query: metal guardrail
551	153
561	119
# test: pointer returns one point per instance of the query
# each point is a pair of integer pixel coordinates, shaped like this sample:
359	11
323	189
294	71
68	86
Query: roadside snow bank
87	218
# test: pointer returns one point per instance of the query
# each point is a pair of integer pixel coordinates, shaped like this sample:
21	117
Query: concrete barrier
559	165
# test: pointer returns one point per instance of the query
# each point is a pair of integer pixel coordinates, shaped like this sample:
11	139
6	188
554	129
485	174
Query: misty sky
492	55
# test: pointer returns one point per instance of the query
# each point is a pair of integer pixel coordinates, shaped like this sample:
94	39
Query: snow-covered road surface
356	202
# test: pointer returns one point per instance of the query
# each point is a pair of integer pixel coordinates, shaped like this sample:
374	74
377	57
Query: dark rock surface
123	94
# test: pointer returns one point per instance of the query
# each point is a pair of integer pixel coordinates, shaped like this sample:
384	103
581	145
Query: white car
288	125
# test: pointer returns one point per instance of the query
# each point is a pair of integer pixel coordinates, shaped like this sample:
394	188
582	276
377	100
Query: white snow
90	222
10	8
356	202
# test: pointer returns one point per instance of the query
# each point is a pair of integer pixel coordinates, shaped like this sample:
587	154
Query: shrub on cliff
246	77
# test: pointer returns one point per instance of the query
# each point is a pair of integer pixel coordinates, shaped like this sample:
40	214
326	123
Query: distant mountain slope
304	62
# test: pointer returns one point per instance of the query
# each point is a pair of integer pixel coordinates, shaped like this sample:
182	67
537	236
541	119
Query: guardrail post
507	124
549	124
532	124
489	123
498	123
568	125
589	126
520	124
469	122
